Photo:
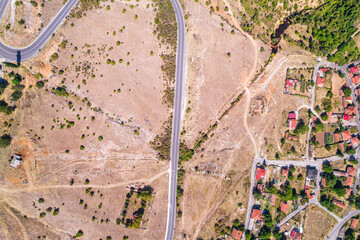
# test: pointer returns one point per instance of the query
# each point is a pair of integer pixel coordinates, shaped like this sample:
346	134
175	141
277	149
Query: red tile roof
260	173
348	191
354	223
346	117
356	79
256	214
346	135
290	83
285	171
350	110
350	171
292	115
295	235
236	234
341	147
320	81
292	124
338	203
354	69
307	192
354	141
336	137
349	181
323	182
283	207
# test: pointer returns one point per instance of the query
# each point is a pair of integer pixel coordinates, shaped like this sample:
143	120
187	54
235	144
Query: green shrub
100	138
82	147
43	214
79	234
34	3
16	95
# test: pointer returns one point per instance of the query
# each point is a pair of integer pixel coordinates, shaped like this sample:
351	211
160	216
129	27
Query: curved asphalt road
23	54
174	155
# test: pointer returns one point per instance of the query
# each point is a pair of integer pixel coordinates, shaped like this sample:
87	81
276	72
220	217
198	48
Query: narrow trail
22	227
7	190
247	80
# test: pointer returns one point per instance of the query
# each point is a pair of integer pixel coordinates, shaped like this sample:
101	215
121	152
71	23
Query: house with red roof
346	117
308	193
346	135
338	203
354	222
354	70
323	182
292	115
256	214
295	235
292	123
356	79
354	142
320	81
260	173
349	181
341	147
348	191
283	206
350	110
284	171
350	171
290	83
336	137
236	234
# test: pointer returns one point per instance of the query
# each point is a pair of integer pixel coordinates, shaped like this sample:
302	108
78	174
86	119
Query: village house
292	121
16	160
289	83
338	203
350	110
256	214
349	181
295	234
346	135
311	174
290	136
308	193
350	171
339	173
320	81
284	171
355	79
236	234
354	70
283	207
354	222
348	191
260	173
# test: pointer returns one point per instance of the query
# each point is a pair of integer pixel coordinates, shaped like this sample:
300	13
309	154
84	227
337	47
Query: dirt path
23	229
248	79
62	186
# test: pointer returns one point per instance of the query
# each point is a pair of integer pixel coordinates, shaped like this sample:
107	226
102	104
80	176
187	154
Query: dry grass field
23	23
317	223
95	133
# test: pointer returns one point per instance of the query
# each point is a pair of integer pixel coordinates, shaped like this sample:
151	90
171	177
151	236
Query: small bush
40	84
82	147
100	138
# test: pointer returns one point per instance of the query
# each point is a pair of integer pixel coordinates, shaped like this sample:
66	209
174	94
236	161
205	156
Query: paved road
334	233
21	54
174	155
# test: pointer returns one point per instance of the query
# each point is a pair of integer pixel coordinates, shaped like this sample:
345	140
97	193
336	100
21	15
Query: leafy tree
327	167
347	91
350	234
301	128
5	141
39	84
339	189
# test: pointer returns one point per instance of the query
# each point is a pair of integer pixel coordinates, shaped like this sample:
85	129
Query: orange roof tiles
349	181
338	203
283	207
256	214
350	110
285	171
236	234
336	137
346	135
356	79
354	223
350	171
